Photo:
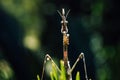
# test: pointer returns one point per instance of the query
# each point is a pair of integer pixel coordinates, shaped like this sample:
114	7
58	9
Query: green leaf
38	77
78	76
63	73
54	71
51	76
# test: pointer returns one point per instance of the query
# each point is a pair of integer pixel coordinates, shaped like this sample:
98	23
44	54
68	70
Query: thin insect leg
43	68
78	59
85	67
47	57
81	56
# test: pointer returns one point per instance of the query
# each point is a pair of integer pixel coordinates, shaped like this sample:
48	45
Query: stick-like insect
68	69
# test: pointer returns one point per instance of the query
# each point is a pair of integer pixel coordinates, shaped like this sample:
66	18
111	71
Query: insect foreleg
48	58
81	56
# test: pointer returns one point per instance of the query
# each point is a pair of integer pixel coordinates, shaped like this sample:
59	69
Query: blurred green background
29	29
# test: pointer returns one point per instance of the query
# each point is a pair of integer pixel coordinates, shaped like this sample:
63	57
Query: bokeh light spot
31	42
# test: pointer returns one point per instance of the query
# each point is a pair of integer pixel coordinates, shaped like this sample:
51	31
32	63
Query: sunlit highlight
31	42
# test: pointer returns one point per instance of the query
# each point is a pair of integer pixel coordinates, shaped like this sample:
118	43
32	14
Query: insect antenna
67	13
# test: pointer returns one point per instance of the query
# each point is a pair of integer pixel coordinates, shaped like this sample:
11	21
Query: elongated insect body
68	69
64	31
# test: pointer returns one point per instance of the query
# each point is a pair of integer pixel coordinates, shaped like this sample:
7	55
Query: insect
68	69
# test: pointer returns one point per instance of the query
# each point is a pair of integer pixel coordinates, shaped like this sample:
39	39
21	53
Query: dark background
93	28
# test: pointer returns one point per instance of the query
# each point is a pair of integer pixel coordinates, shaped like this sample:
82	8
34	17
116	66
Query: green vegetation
55	75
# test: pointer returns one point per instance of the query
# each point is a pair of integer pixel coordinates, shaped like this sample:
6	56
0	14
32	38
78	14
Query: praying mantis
68	69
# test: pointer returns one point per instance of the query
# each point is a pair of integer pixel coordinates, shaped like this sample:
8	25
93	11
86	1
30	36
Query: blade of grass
38	77
54	71
78	76
51	76
63	73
